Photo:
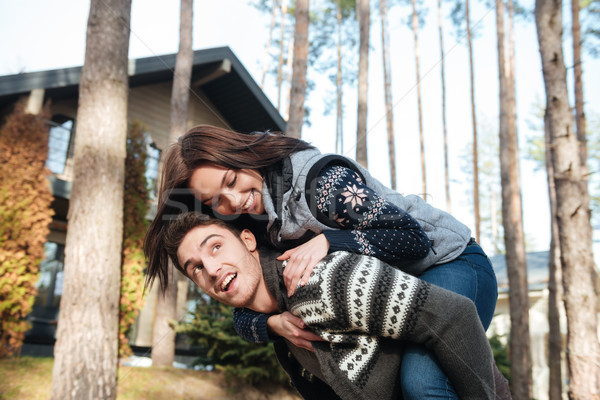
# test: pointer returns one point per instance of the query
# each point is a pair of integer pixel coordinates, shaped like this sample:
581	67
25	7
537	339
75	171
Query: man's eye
216	247
196	269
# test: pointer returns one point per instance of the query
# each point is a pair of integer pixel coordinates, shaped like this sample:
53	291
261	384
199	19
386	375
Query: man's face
223	265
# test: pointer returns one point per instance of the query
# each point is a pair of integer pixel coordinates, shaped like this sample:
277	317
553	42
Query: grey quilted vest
288	195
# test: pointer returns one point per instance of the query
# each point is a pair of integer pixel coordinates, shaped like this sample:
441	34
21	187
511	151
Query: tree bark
180	93
578	78
363	12
163	335
444	124
474	120
494	217
555	292
415	27
387	89
298	90
339	125
85	353
573	210
512	220
268	45
281	52
289	67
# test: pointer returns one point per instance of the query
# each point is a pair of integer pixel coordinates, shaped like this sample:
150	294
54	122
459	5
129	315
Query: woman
314	204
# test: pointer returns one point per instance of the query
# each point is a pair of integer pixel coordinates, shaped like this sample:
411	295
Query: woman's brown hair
205	144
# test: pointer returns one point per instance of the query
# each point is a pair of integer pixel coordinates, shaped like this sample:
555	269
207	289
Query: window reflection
152	162
44	315
50	283
58	144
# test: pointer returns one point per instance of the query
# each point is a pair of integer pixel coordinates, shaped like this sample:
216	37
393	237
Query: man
360	306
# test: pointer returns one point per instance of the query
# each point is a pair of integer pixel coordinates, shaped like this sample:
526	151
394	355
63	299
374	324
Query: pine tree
211	330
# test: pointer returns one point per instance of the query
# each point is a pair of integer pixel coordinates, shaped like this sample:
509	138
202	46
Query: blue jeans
471	275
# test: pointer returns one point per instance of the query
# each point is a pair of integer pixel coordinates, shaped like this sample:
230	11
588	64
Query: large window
152	163
59	143
44	316
50	283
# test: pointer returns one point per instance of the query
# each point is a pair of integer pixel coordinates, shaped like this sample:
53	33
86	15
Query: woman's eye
230	184
216	247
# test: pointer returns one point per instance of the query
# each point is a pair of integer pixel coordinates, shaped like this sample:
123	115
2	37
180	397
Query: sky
42	35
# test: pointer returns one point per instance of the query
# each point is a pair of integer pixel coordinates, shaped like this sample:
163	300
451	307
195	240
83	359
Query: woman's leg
471	275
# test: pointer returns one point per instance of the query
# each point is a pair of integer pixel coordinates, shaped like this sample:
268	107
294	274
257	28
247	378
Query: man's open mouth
227	281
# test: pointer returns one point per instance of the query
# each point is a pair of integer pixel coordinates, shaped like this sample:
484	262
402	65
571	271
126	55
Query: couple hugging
348	316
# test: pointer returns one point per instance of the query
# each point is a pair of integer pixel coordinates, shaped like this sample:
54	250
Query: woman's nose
228	204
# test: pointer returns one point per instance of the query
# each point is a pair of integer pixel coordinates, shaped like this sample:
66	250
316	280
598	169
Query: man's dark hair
174	234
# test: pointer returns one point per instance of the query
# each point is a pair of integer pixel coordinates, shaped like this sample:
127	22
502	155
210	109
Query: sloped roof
235	93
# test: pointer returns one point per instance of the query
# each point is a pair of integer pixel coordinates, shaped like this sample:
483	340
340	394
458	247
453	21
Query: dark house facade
222	93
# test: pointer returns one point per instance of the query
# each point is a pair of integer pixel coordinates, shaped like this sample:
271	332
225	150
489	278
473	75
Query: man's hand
293	329
302	260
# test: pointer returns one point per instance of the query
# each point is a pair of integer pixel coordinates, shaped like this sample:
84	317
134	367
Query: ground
30	378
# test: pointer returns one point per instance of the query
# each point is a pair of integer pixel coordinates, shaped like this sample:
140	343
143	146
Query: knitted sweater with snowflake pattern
364	309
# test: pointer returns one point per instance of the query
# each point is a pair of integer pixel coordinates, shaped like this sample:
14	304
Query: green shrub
211	330
500	351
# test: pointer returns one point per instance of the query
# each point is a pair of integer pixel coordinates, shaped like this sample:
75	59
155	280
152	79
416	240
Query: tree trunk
163	335
512	220
363	12
415	27
387	89
494	217
267	58
474	120
578	78
180	93
85	353
298	90
281	50
555	292
289	67
573	210
444	124
339	125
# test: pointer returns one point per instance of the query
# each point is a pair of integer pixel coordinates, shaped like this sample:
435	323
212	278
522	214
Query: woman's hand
293	329
302	260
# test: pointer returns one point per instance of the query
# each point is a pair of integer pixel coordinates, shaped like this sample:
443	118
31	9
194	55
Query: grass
31	378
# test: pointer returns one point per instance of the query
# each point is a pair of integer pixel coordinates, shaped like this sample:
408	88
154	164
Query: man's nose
212	268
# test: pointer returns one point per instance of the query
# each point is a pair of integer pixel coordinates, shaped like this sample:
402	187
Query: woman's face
228	191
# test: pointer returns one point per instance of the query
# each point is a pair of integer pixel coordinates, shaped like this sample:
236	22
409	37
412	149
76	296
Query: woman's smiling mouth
249	202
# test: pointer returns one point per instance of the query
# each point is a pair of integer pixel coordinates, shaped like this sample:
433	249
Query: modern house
538	278
222	93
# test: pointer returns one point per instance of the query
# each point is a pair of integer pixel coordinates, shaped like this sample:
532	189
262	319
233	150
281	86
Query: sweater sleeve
251	325
367	224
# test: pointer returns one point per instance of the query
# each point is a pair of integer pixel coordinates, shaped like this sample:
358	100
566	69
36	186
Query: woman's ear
249	240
